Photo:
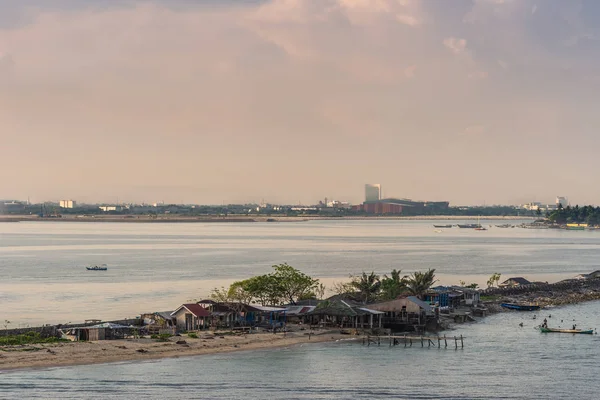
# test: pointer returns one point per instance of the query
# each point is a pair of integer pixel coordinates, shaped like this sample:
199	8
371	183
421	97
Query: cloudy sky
471	101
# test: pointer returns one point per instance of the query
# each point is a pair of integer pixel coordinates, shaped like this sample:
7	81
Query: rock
181	342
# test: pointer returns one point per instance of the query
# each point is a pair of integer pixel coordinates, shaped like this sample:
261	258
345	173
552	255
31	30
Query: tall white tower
372	192
563	201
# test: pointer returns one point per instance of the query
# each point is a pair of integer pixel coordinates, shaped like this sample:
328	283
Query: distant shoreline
245	219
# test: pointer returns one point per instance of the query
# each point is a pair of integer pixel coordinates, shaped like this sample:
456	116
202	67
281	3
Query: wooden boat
520	307
97	268
442	226
549	330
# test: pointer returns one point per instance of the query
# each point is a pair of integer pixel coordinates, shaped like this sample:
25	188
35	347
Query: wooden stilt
445	341
462	346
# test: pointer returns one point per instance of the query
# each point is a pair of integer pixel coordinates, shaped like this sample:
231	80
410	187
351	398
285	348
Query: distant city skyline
211	102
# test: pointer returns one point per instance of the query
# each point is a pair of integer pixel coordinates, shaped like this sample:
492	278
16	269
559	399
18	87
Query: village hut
343	313
191	317
104	331
516	281
404	312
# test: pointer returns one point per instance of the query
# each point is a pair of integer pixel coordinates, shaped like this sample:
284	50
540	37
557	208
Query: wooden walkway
395	340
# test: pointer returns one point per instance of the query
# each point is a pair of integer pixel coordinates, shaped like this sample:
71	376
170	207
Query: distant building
401	206
533	206
67	204
562	201
372	192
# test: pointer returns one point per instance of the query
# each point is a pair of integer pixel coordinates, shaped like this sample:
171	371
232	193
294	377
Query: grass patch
495	297
192	335
163	337
28	338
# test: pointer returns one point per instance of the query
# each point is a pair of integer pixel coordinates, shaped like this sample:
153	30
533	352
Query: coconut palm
367	286
393	286
419	282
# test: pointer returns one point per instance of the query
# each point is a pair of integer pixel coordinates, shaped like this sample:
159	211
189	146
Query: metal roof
420	303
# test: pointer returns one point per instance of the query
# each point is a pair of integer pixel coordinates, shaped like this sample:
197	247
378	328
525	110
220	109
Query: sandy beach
107	351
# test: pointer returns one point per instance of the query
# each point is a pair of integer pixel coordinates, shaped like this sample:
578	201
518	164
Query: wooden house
191	317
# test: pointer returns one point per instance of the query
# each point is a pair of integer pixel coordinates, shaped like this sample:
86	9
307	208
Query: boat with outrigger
544	329
102	267
520	307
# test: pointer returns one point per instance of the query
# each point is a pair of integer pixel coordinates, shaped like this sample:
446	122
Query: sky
292	101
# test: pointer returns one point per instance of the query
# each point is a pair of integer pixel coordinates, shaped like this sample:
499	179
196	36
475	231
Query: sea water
156	267
500	360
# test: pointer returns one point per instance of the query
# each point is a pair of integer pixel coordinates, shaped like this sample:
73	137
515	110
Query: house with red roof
191	317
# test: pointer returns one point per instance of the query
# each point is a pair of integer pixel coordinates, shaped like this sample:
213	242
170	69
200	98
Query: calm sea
155	267
500	360
158	266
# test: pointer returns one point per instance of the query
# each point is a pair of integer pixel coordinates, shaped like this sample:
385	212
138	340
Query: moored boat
520	307
550	330
97	268
442	226
469	226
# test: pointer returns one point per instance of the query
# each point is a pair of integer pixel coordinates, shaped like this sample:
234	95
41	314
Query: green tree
367	286
292	284
419	282
393	286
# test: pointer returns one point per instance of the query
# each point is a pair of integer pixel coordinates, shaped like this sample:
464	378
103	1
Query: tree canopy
576	215
285	285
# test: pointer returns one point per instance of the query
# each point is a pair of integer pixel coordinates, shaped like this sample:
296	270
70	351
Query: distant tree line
576	215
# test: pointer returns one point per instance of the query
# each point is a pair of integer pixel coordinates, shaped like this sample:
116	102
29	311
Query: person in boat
545	324
574	326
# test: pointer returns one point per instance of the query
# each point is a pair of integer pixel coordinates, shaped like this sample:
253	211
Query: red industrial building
397	206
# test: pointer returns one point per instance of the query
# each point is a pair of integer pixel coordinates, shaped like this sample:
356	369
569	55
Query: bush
28	338
164	337
155	336
193	335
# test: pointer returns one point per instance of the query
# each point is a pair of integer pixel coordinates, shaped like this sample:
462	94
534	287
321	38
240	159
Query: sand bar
106	351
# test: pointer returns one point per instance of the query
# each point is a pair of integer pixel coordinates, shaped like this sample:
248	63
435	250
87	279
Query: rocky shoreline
562	293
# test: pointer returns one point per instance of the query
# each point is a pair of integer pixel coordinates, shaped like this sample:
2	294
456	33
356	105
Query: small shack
191	317
404	312
104	331
516	281
345	314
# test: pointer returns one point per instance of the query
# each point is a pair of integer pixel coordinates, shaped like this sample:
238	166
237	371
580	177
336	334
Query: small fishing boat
102	267
549	330
442	226
520	307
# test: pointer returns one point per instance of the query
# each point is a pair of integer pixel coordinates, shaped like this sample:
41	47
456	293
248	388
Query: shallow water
158	266
500	360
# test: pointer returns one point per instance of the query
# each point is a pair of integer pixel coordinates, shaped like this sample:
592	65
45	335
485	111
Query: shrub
193	335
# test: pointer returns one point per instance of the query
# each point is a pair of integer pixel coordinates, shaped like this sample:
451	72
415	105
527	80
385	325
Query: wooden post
422	341
390	340
445	341
455	342
462	346
410	341
404	340
439	342
378	340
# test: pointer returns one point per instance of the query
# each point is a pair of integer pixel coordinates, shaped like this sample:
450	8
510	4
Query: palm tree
393	286
419	282
367	286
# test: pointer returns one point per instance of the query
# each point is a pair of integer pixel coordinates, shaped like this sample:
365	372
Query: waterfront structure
401	206
372	192
67	204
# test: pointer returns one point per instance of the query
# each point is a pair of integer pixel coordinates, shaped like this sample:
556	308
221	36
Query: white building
563	201
67	204
372	192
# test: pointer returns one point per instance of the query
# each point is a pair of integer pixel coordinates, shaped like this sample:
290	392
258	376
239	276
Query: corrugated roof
420	303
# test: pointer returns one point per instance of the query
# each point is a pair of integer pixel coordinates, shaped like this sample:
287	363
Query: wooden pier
396	340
